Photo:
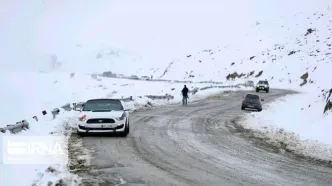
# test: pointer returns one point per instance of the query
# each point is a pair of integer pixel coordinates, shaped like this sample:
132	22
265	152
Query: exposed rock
309	31
304	77
259	73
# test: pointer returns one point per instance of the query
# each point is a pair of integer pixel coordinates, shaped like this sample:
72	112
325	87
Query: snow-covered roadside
49	91
37	172
296	123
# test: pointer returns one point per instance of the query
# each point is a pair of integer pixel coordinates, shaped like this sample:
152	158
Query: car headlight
82	118
124	115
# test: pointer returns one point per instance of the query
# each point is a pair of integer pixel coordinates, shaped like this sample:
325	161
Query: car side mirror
262	99
78	109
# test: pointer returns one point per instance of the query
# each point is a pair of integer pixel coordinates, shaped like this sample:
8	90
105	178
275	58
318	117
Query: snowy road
193	145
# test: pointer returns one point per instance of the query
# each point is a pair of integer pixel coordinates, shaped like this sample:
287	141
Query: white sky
32	30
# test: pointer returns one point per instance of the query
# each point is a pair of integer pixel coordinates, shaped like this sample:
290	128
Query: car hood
111	114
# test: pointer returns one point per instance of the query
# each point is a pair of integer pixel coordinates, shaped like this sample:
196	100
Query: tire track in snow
194	145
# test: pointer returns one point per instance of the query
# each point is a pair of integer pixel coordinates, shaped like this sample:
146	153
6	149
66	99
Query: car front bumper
96	128
252	106
262	88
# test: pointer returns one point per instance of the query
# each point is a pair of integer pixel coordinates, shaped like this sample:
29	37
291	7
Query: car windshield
263	82
102	105
252	97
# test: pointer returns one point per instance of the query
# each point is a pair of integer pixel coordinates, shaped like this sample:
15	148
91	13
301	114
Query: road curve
188	146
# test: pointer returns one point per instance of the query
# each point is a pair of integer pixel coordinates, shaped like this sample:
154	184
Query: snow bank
42	171
297	123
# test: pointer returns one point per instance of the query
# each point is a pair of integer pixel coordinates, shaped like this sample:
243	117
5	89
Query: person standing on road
185	96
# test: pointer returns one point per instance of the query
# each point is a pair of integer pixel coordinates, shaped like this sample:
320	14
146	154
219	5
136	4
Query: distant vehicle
146	78
263	85
249	83
109	74
252	101
134	77
120	76
103	116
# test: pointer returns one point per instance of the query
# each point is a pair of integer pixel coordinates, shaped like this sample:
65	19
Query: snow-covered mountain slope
280	62
302	62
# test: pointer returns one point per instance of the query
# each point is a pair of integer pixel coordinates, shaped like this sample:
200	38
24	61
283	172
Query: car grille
100	120
92	128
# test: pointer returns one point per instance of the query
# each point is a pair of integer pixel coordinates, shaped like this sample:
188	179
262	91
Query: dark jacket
185	91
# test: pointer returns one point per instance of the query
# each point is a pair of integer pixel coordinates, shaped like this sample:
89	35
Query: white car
103	116
263	85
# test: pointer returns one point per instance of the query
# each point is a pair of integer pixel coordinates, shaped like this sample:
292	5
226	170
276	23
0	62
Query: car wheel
81	134
123	134
267	90
243	108
126	131
257	90
259	110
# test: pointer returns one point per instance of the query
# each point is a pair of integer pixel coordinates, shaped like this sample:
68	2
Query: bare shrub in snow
250	73
234	75
309	31
328	105
259	73
304	77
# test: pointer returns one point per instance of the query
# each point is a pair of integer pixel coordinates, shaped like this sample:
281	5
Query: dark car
263	85
252	101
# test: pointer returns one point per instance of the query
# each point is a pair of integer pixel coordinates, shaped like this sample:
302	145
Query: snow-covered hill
302	62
